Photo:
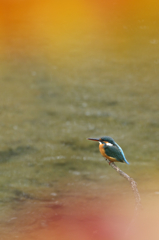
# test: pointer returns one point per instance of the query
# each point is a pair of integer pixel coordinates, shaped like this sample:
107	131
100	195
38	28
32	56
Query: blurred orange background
58	23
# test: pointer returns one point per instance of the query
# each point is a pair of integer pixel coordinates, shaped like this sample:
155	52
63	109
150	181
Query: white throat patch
109	144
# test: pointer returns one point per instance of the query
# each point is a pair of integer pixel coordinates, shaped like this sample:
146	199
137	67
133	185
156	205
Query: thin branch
134	188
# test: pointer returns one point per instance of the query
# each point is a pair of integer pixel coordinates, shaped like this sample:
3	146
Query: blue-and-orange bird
110	149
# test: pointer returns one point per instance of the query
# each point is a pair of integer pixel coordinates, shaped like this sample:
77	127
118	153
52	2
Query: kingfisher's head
106	139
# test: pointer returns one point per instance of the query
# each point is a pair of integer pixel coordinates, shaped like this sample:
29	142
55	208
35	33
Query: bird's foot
108	161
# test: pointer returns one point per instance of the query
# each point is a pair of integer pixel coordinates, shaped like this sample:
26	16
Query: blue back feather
121	152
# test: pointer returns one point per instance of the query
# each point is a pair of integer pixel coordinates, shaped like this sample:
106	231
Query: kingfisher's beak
94	139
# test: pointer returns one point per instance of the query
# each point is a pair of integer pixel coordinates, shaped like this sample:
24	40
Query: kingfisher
110	149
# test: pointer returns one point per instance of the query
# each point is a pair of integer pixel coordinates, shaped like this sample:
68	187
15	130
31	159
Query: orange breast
102	151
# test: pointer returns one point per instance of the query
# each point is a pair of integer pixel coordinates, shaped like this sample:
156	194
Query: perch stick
132	182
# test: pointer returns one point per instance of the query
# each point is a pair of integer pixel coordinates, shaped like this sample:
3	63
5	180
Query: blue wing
122	153
115	152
